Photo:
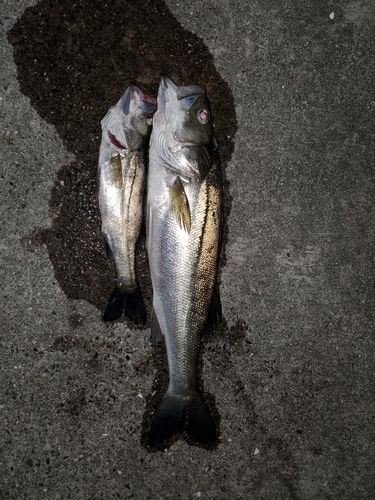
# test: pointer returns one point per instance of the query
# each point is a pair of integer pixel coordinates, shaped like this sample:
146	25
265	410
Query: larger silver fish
121	182
184	197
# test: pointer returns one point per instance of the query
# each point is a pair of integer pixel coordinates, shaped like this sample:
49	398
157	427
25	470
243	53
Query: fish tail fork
131	302
176	414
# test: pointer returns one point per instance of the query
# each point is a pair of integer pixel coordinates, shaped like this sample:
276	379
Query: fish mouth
167	82
181	91
149	104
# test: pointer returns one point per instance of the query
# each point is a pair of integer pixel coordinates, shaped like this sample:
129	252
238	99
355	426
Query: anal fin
107	248
156	333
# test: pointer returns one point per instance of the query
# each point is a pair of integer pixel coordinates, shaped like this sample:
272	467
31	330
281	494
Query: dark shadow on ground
74	60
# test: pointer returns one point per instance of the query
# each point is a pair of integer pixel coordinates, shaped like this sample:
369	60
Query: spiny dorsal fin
180	205
117	170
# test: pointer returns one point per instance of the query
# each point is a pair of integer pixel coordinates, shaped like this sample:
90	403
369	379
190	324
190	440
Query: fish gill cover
74	59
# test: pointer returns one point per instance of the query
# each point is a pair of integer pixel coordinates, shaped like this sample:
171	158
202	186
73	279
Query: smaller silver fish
121	183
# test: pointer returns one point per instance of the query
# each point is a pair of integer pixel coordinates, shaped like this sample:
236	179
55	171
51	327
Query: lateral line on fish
135	158
200	249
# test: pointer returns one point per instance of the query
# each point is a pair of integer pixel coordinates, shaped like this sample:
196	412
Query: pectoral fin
116	171
180	205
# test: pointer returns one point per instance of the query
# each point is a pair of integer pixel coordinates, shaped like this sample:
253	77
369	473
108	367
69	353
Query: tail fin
131	302
170	418
200	425
115	305
135	308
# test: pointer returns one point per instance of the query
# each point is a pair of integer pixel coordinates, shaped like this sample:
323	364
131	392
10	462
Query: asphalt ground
289	375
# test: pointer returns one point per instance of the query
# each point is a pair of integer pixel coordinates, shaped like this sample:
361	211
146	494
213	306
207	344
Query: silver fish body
184	205
121	183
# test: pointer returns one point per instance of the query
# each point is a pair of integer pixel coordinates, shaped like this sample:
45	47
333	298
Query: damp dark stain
67	343
76	320
76	403
74	59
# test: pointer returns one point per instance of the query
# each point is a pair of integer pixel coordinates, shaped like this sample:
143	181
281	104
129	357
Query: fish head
138	109
129	123
187	124
187	113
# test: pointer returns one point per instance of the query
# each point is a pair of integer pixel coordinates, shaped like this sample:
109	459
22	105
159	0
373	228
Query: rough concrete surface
289	375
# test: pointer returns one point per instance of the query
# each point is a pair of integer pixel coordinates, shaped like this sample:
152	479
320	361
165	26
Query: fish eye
203	115
149	120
